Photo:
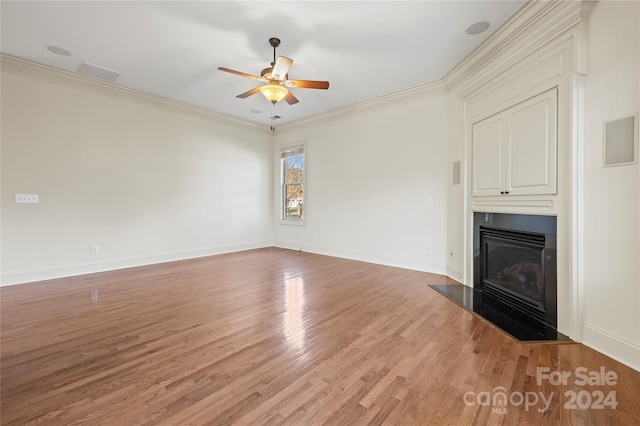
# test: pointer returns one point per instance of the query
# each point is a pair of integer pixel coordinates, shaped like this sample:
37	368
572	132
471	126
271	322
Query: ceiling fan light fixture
274	92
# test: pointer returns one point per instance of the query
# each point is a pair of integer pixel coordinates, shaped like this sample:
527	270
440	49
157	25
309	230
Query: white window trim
281	151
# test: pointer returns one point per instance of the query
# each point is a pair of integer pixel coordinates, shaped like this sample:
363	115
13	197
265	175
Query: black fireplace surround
515	264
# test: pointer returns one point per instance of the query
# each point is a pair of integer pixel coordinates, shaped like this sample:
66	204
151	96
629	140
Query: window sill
291	222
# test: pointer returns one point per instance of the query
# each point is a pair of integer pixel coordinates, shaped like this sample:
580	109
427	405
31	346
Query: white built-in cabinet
514	151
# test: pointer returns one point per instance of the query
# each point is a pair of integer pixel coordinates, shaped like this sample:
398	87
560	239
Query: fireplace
515	264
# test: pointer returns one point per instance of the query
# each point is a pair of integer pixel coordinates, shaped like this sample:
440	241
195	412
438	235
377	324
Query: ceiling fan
277	78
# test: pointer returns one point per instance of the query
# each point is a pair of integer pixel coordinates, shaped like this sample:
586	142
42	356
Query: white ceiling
365	49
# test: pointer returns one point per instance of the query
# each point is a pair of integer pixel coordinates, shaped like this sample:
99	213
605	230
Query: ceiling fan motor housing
266	73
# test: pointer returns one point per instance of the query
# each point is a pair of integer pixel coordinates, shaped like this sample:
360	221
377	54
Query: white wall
611	194
144	183
456	193
369	178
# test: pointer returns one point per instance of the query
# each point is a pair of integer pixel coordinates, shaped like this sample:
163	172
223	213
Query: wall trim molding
397	262
540	46
522	206
530	23
70	270
404	97
455	274
24	68
611	345
533	26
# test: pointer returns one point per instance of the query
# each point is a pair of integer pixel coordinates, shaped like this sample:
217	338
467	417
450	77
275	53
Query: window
292	184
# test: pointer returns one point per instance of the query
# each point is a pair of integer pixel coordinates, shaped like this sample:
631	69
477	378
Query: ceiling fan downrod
274	42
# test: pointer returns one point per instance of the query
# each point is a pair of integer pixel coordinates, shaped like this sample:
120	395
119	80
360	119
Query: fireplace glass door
514	264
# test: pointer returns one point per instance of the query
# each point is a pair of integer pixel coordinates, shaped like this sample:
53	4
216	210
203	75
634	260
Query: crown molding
414	94
533	26
24	68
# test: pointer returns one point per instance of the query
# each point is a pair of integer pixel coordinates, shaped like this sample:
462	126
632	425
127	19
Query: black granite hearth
509	322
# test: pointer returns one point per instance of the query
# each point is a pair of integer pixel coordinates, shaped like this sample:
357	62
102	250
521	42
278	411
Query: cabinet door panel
488	156
532	146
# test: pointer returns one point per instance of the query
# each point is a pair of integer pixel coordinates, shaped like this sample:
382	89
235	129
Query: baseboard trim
70	270
396	262
455	274
628	353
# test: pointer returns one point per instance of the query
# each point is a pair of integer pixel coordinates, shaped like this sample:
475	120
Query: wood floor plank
276	337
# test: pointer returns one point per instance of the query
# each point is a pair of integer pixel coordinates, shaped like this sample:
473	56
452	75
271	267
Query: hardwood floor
274	336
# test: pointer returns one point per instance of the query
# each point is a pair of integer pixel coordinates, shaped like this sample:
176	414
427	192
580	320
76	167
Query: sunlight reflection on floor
293	326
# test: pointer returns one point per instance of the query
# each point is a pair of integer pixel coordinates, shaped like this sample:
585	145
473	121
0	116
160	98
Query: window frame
282	155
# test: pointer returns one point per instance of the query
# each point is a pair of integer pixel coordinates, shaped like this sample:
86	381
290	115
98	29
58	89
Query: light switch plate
27	198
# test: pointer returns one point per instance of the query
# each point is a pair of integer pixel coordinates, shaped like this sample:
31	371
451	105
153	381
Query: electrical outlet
95	249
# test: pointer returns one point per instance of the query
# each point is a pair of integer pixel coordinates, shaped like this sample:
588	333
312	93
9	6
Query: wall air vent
97	72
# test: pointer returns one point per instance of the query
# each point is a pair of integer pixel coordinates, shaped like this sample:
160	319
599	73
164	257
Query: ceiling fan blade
281	68
291	99
241	74
307	84
248	93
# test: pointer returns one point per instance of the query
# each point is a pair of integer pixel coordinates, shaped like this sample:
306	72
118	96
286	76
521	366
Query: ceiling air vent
100	73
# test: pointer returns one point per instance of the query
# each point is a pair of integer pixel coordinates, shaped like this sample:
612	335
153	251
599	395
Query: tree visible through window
292	168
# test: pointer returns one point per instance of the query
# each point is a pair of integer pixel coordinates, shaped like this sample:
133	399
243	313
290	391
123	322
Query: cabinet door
532	135
488	155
